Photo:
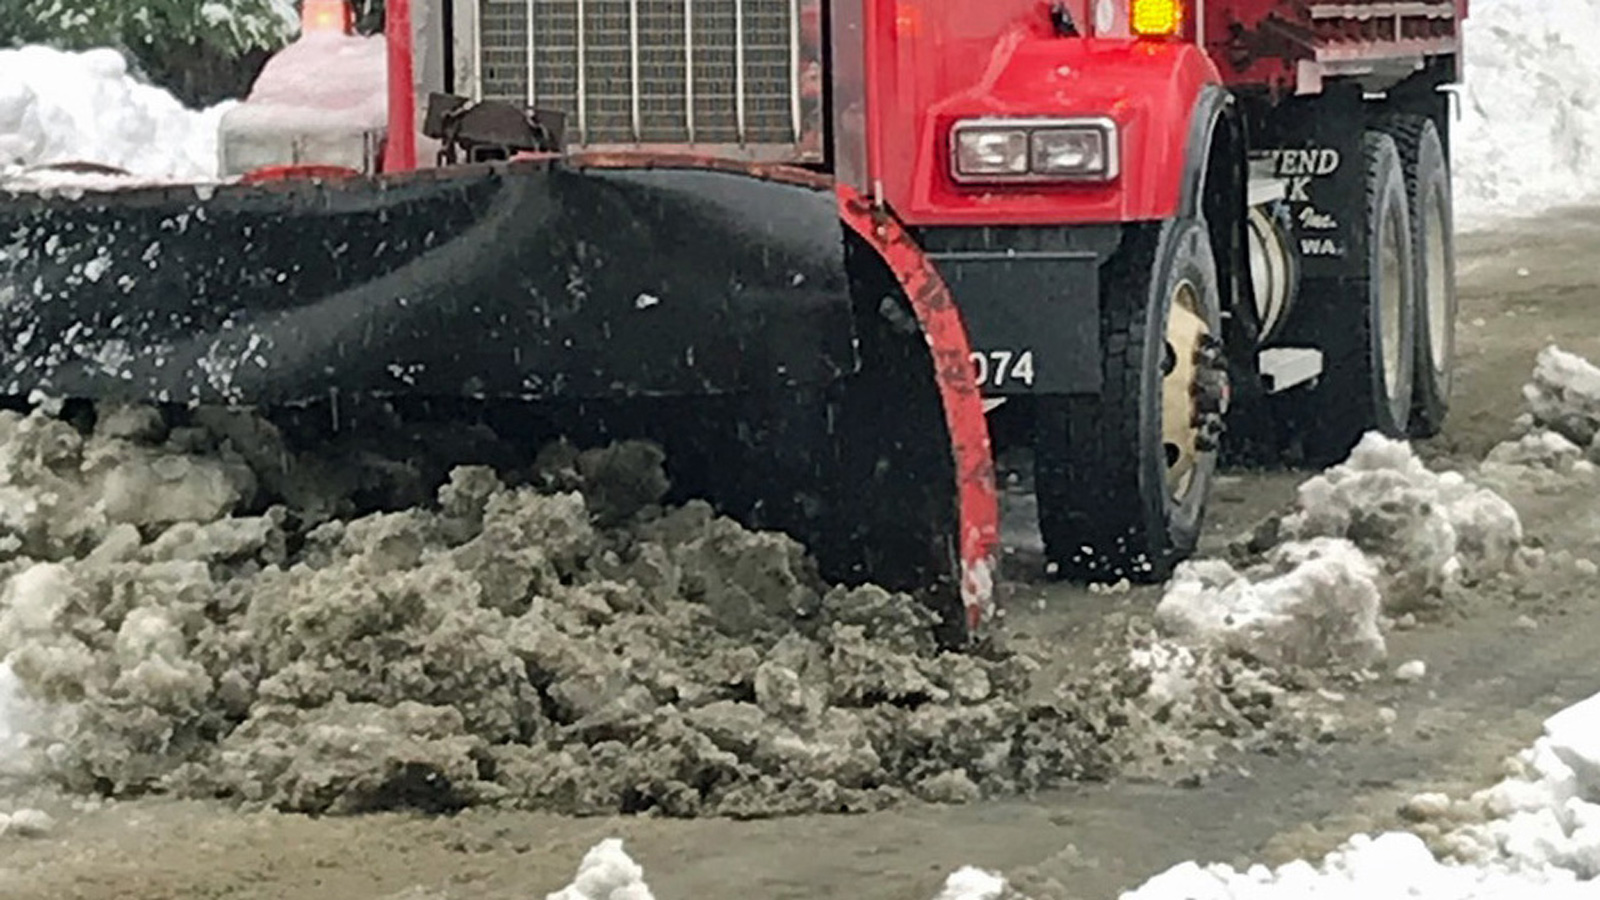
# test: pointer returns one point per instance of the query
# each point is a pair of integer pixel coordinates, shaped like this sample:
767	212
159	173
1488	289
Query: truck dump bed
1289	45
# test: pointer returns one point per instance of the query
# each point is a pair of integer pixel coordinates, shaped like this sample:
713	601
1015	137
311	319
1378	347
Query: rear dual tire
1369	365
1427	177
1395	376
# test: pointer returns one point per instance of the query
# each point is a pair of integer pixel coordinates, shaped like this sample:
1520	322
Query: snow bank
58	107
1529	137
1535	834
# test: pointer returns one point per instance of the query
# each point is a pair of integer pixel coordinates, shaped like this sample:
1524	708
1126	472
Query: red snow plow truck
830	254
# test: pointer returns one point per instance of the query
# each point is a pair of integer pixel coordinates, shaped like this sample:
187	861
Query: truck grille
724	75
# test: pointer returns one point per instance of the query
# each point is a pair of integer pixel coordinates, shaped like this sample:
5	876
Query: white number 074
996	367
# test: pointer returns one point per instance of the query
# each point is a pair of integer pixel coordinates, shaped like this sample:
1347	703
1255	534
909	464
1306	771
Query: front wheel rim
1187	331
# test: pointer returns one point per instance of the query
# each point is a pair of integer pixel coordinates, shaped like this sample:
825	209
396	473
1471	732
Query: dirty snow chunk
1411	670
1425	806
350	758
1312	603
1425	529
970	883
27	823
1564	395
1541	449
607	872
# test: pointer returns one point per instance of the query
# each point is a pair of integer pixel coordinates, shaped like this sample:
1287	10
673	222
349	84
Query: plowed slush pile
199	611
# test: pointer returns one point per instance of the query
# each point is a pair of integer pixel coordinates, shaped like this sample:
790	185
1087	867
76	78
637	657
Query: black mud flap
729	316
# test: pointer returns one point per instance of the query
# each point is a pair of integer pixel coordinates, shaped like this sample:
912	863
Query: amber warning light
326	17
1156	18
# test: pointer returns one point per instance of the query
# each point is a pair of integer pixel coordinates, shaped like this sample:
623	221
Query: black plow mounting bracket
489	129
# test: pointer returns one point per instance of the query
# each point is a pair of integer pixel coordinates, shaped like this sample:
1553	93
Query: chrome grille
718	74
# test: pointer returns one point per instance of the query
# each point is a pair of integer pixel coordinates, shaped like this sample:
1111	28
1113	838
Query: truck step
1285	367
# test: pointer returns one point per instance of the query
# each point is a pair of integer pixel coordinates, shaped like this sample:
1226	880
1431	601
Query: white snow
1529	134
1411	670
970	883
1537	834
58	107
607	872
27	823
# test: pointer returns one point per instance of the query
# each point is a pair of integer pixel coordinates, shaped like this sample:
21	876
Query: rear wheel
1370	356
1427	178
1122	477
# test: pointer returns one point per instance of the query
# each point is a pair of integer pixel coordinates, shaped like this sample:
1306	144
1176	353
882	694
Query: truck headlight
991	151
1034	150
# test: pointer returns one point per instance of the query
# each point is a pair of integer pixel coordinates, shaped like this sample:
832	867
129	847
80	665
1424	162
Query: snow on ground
1378	534
1375	534
58	107
1537	833
1529	135
1312	603
607	872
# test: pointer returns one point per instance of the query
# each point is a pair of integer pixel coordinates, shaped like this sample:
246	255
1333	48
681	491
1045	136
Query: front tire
1122	477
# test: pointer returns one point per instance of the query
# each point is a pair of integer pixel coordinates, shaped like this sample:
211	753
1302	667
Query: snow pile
58	107
1564	397
1535	834
1529	136
1546	815
971	883
1375	535
1559	435
204	611
1312	604
607	872
1427	530
1394	866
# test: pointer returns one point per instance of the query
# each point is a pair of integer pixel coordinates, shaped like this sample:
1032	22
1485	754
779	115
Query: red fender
946	335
